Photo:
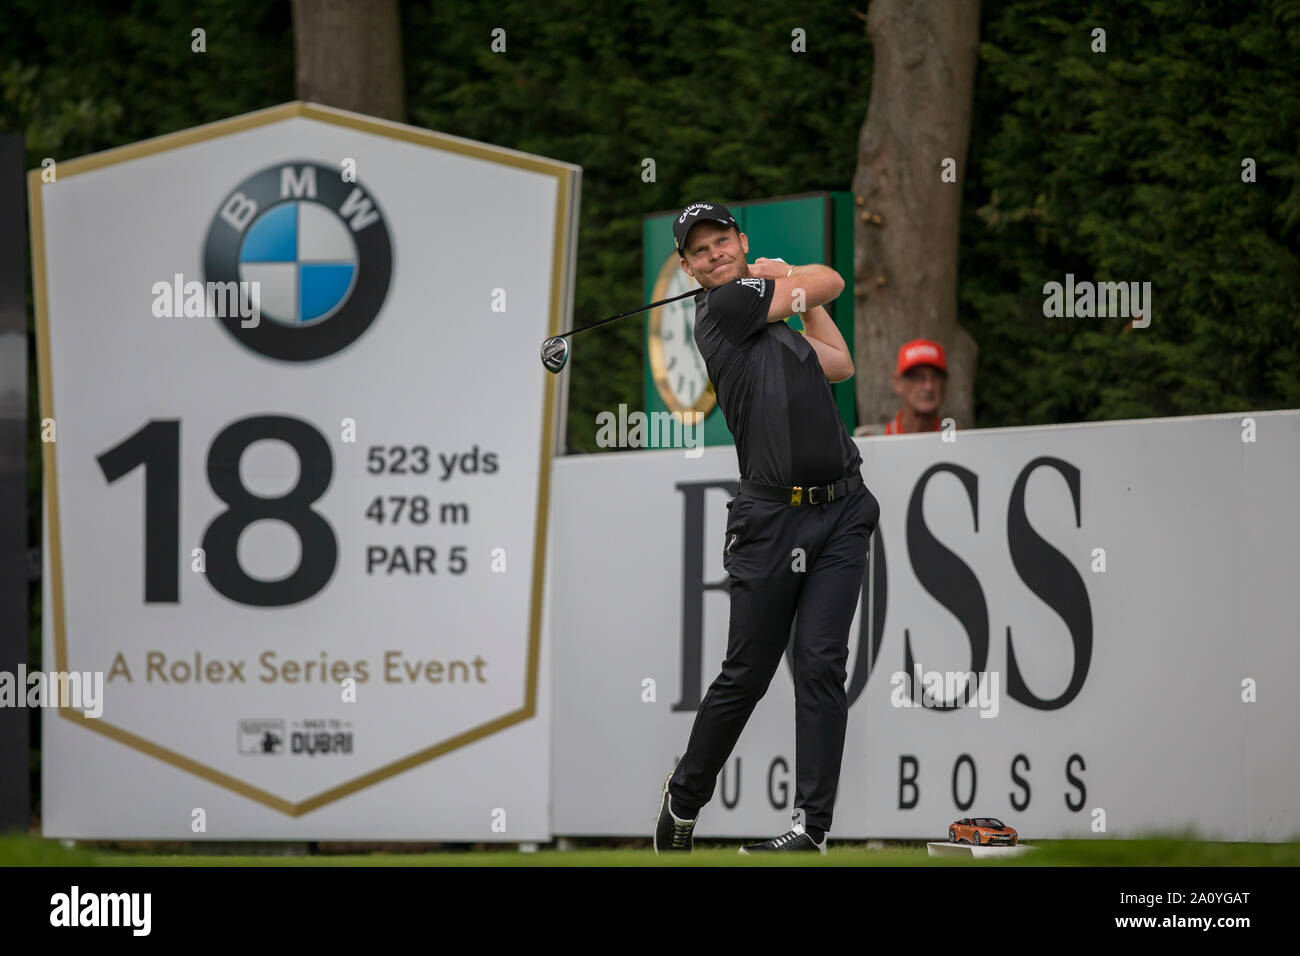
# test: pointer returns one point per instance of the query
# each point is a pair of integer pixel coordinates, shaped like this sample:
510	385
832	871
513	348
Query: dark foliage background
1123	165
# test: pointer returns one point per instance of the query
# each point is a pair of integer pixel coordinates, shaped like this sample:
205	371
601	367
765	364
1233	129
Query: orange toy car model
982	831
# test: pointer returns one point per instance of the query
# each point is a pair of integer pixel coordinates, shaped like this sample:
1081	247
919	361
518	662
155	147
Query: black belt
816	495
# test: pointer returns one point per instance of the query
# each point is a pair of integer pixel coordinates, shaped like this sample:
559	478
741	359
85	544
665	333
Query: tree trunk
350	55
906	231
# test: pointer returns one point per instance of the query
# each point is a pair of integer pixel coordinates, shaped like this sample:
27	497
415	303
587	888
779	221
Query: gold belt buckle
796	495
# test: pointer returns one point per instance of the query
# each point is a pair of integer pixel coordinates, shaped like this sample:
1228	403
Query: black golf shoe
672	833
792	840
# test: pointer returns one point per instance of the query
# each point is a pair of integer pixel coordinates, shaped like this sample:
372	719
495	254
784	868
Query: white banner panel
299	527
1125	592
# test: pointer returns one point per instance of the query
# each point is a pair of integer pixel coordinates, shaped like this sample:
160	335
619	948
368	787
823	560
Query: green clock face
675	362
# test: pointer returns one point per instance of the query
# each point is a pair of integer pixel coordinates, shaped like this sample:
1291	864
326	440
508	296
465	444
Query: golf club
555	350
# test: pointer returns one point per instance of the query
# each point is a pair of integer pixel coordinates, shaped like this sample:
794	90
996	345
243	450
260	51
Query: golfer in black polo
797	534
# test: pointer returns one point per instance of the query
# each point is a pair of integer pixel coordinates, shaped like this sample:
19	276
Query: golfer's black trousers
771	587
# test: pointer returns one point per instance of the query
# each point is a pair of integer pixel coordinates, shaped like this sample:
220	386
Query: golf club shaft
623	315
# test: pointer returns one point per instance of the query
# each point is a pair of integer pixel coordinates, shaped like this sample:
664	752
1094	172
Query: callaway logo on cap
693	209
700	212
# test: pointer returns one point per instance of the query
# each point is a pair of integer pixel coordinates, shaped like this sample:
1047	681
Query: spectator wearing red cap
921	380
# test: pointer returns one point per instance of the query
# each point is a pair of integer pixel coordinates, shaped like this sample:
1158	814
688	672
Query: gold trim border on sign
566	177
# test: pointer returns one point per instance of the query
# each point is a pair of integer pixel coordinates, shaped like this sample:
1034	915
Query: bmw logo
319	249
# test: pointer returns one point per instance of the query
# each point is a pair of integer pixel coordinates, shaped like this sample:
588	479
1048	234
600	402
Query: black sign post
14	743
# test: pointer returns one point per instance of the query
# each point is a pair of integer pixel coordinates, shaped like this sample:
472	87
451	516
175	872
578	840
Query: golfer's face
716	254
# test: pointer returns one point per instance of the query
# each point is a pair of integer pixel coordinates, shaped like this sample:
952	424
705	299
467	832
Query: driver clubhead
555	354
